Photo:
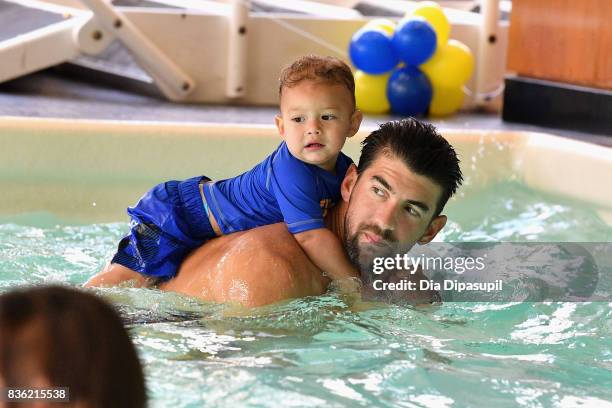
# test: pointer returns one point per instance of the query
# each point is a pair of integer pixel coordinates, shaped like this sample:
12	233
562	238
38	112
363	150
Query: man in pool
392	200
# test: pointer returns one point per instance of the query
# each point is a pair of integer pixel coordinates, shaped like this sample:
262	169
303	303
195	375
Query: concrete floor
49	94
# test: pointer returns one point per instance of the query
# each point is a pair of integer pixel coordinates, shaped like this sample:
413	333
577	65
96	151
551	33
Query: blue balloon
414	41
409	91
371	51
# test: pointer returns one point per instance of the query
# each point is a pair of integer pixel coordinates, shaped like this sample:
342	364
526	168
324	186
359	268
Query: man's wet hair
72	339
421	148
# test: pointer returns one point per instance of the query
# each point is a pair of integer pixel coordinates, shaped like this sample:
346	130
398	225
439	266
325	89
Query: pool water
319	352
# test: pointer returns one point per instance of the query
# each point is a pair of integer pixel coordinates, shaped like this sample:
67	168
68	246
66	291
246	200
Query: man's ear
349	182
432	230
278	121
356	119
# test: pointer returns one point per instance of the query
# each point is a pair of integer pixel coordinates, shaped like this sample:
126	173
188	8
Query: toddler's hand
347	286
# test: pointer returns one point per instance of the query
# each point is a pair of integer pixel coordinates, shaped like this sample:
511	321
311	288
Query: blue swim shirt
280	188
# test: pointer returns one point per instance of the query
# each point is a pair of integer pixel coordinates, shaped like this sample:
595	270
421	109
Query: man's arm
326	252
115	274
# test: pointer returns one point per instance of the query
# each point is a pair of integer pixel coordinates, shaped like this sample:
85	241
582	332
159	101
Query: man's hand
413	297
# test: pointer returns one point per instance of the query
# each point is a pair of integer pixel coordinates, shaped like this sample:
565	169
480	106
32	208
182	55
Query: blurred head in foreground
59	337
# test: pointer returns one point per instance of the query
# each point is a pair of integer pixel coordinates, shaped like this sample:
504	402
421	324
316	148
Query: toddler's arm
326	252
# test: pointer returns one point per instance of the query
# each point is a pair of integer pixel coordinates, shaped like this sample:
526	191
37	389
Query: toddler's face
316	118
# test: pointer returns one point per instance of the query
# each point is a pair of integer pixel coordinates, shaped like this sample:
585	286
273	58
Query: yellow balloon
371	92
451	66
383	23
445	101
435	16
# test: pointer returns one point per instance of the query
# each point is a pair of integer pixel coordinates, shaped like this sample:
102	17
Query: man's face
390	209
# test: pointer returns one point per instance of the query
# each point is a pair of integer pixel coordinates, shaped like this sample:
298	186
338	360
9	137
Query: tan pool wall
66	166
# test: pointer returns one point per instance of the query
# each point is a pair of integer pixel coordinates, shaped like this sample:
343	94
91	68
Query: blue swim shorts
168	222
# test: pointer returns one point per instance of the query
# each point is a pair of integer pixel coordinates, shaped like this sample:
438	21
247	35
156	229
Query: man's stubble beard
363	263
351	244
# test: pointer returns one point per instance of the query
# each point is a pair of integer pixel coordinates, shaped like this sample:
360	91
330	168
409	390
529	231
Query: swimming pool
67	183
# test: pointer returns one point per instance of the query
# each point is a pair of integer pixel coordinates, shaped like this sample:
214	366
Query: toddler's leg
168	222
114	274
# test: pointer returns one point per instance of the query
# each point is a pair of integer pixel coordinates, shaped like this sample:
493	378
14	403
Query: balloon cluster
412	68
